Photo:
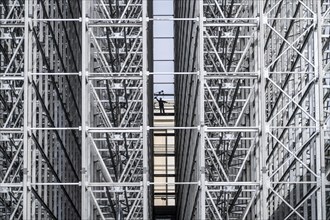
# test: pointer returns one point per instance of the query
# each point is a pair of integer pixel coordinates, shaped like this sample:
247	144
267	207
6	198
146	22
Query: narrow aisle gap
163	111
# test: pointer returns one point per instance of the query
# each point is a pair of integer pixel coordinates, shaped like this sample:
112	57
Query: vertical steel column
262	111
145	113
200	99
85	207
27	120
320	143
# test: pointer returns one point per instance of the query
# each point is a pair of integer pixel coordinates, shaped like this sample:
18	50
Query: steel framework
114	87
252	95
73	109
258	88
40	109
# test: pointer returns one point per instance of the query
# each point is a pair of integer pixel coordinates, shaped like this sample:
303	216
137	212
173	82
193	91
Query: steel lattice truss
231	109
57	56
115	115
11	110
264	71
40	141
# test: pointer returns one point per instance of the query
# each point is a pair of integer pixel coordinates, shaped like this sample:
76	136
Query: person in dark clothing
161	105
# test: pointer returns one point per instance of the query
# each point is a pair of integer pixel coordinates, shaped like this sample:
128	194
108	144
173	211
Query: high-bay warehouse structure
245	133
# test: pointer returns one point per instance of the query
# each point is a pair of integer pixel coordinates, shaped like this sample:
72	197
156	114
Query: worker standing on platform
161	105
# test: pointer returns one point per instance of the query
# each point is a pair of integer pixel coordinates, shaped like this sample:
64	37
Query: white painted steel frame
285	165
115	110
240	122
49	141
